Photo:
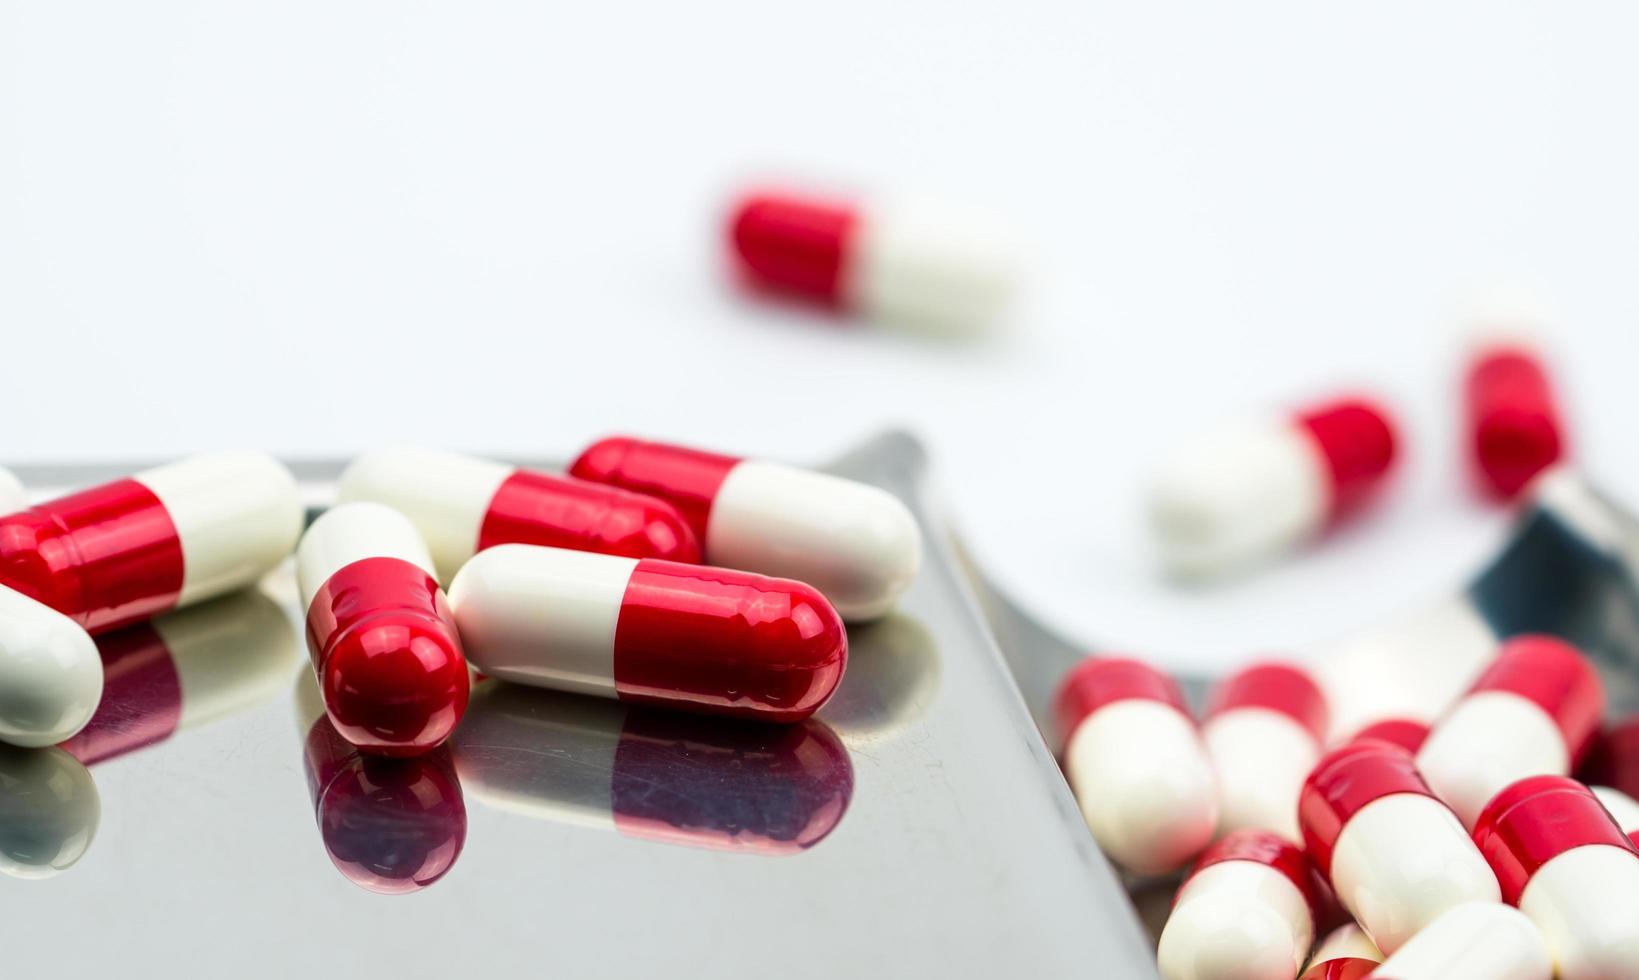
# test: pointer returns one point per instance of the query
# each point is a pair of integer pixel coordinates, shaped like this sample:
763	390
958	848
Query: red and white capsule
1533	711
687	636
462	505
855	543
774	789
1233	497
1471	941
119	553
909	263
381	634
12	495
1135	760
186	669
1564	861
1346	953
1395	855
1263	732
1515	429
1248	911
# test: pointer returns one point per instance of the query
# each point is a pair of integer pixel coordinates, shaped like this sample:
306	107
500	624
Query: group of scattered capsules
1457	849
1232	497
591	582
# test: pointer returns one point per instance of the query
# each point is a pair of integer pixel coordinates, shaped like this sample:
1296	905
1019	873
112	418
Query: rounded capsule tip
50	673
602	461
396	684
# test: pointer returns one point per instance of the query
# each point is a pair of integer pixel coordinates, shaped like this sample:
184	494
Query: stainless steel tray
931	837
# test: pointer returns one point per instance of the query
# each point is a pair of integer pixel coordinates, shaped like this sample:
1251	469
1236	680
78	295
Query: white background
316	227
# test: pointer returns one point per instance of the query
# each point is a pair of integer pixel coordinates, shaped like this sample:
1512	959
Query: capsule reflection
186	669
391	826
893	675
703	782
49	811
181	670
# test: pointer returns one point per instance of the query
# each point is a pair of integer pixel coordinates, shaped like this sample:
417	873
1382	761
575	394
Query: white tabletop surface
317	227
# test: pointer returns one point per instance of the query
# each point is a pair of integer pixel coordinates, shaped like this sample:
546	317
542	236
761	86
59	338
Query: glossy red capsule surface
1515	429
383	640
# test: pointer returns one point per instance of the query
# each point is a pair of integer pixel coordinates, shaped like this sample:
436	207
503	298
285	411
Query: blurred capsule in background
49	809
463	504
186	669
912	263
380	631
1346	953
12	495
1614	760
1533	711
1135	761
1562	858
1472	941
1407	734
892	678
1239	495
715	783
856	543
1263	731
1514	426
1249	910
390	826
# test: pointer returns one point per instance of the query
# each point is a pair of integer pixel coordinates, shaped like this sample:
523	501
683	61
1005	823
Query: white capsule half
49	811
1261	758
445	495
1585	902
237	514
1401	861
1473	941
927	265
1144	784
1236	920
12	496
348	533
50	673
1235	496
1489	740
855	543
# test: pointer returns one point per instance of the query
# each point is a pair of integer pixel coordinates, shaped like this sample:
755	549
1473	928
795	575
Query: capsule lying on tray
384	645
686	636
855	543
462	505
118	553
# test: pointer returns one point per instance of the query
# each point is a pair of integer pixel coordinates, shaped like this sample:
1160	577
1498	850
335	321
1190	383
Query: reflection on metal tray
916	827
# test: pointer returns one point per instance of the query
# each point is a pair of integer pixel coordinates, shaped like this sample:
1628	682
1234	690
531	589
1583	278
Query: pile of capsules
1411	849
592	582
1458	849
